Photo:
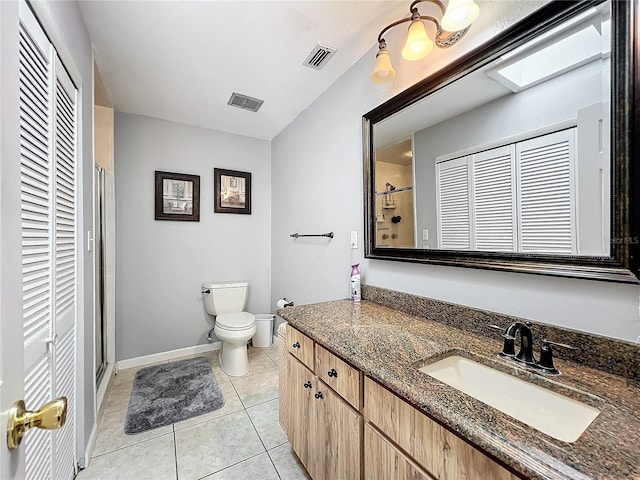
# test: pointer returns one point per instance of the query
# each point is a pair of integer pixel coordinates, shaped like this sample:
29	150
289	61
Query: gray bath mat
172	392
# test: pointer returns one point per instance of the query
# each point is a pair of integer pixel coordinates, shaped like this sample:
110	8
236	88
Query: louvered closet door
493	200
546	198
36	123
65	248
453	212
48	185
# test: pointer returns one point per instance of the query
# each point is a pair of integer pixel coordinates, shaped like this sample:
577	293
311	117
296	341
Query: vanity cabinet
325	431
441	453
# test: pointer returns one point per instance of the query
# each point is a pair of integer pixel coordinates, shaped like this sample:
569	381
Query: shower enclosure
100	275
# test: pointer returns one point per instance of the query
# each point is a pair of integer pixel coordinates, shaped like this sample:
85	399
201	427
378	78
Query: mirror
515	157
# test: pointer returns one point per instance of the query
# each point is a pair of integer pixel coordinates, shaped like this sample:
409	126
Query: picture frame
232	191
177	196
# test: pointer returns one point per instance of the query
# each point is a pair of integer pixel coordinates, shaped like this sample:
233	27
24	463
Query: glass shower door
99	275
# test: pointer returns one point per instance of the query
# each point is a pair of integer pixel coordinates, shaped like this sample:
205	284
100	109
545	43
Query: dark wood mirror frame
623	264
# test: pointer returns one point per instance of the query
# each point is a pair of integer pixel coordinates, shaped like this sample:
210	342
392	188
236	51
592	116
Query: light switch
354	239
425	234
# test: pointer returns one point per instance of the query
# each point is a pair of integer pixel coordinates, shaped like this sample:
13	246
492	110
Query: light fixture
459	15
455	23
418	44
383	70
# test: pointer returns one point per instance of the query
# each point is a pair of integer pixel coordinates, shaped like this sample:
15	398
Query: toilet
234	328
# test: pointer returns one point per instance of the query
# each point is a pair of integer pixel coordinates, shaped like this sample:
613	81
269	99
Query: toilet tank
225	297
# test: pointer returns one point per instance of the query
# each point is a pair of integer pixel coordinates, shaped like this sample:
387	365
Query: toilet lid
235	321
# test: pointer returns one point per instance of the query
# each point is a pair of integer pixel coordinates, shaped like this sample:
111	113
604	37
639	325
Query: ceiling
182	60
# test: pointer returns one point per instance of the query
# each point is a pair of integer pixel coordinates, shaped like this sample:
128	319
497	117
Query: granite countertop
389	346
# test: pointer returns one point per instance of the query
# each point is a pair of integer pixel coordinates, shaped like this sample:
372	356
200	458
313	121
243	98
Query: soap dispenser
355	283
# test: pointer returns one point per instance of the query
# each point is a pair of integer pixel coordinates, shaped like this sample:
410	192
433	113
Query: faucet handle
546	355
546	341
508	349
503	330
496	327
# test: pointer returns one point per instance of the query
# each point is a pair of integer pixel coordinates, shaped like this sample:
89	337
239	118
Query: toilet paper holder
284	303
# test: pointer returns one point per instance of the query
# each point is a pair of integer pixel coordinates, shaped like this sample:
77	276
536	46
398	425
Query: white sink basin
558	416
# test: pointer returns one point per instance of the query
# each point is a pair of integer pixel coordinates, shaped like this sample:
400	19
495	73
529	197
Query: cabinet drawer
383	461
443	454
300	346
340	376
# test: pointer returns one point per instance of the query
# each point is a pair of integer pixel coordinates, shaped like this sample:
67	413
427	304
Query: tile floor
242	440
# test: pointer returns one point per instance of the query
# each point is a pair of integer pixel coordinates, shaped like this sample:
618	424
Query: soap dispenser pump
355	283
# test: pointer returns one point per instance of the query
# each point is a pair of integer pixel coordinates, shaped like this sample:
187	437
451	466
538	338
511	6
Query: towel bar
297	235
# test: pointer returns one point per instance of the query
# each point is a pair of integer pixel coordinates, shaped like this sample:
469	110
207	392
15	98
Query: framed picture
232	191
177	197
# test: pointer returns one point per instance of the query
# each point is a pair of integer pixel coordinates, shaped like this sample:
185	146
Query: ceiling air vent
319	56
244	101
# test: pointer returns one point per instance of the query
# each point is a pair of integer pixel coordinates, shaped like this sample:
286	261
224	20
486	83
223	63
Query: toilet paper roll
283	302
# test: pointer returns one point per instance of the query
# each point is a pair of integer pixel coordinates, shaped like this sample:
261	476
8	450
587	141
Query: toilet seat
235	321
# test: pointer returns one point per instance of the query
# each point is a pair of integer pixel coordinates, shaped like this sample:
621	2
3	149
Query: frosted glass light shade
459	15
383	71
418	43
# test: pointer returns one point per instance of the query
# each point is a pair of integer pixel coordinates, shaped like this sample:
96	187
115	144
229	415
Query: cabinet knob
332	373
319	395
296	345
307	385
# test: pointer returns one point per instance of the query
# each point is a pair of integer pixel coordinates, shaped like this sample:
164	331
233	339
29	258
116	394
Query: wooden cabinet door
339	431
383	461
302	407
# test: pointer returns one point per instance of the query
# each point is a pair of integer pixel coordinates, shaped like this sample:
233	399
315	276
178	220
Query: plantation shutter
453	212
546	205
493	200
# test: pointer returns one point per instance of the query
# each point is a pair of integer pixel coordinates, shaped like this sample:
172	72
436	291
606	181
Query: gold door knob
51	416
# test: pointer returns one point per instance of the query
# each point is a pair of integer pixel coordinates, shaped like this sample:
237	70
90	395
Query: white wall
160	265
317	186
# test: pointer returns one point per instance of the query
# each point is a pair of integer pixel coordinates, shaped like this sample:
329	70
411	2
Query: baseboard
107	378
170	355
84	462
